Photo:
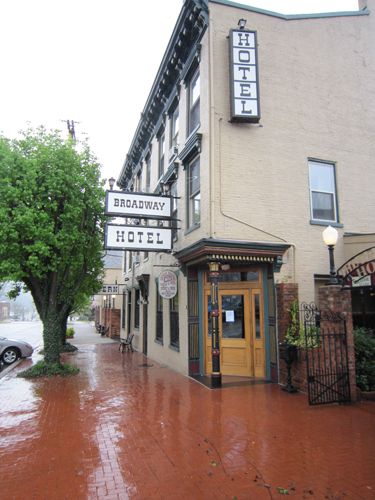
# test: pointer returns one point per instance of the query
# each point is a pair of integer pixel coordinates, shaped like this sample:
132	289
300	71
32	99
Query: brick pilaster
286	294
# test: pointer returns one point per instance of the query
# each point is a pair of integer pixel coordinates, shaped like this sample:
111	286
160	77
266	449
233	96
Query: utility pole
70	125
72	132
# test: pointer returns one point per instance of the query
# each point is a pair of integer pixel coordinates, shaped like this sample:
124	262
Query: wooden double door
241	330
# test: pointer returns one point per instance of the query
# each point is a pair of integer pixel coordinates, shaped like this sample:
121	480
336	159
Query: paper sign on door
229	316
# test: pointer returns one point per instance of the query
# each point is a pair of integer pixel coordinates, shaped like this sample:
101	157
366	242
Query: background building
263	135
109	304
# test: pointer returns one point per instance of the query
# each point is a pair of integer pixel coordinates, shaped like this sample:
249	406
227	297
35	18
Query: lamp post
330	235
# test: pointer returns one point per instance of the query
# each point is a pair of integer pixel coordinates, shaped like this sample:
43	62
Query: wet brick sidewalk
121	430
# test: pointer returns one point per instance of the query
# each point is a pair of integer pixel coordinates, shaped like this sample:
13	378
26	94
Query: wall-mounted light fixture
330	235
111	183
225	267
242	23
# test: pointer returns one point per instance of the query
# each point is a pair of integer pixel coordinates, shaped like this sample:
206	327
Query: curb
9	368
16	363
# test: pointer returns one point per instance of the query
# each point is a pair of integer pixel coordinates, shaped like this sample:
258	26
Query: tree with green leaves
51	226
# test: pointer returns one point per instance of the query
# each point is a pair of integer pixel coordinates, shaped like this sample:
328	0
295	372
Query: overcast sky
94	62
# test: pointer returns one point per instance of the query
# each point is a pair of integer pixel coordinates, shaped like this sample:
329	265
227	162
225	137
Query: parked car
11	350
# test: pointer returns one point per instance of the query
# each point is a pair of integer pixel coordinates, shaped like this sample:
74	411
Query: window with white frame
175	128
194	101
194	193
323	197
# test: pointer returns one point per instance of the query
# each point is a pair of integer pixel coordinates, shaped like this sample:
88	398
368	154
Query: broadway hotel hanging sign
244	76
137	237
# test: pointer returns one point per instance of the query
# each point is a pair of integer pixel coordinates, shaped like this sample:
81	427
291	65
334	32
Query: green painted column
214	279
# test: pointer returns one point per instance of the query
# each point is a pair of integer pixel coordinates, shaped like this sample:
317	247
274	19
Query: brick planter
365	395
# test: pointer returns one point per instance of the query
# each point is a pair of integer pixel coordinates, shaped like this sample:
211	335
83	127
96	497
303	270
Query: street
32	332
28	331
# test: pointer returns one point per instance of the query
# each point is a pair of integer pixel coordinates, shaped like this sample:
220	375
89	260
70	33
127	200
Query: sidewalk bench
126	343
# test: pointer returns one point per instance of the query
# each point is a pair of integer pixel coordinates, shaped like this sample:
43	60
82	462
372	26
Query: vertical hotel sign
244	76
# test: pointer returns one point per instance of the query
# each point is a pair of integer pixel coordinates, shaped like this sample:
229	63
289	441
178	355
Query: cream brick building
253	197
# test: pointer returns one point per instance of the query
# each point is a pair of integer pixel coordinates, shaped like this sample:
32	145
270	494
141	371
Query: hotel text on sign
134	238
244	76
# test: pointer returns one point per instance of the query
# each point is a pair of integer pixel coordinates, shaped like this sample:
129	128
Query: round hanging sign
167	284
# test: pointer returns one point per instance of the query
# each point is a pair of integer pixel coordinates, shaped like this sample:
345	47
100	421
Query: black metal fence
326	355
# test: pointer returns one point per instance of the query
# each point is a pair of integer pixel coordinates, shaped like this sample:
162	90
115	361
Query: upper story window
323	194
194	193
148	174
175	127
161	154
194	101
174	221
139	181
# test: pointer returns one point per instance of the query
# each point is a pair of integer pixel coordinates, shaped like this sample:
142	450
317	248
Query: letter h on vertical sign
244	76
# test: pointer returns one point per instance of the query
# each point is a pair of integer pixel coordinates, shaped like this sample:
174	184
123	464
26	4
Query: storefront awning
238	252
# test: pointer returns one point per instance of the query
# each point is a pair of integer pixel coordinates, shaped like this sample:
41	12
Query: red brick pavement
121	431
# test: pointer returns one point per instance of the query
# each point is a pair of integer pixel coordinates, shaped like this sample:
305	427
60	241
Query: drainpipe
212	130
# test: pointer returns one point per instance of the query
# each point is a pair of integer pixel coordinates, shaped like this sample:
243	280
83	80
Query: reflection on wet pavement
118	430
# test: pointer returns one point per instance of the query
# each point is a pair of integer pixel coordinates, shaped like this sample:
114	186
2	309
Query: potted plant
70	333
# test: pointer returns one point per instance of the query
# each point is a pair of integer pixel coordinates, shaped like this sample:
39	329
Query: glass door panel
232	317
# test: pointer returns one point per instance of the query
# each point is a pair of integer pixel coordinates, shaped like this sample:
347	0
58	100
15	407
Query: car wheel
10	355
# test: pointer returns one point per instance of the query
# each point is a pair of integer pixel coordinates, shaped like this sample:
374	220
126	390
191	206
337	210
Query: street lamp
111	183
330	235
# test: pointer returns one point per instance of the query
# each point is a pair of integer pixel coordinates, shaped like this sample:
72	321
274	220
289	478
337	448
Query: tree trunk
63	326
51	337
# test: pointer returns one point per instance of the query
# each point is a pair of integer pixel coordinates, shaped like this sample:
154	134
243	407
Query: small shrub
70	332
42	369
364	349
296	332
